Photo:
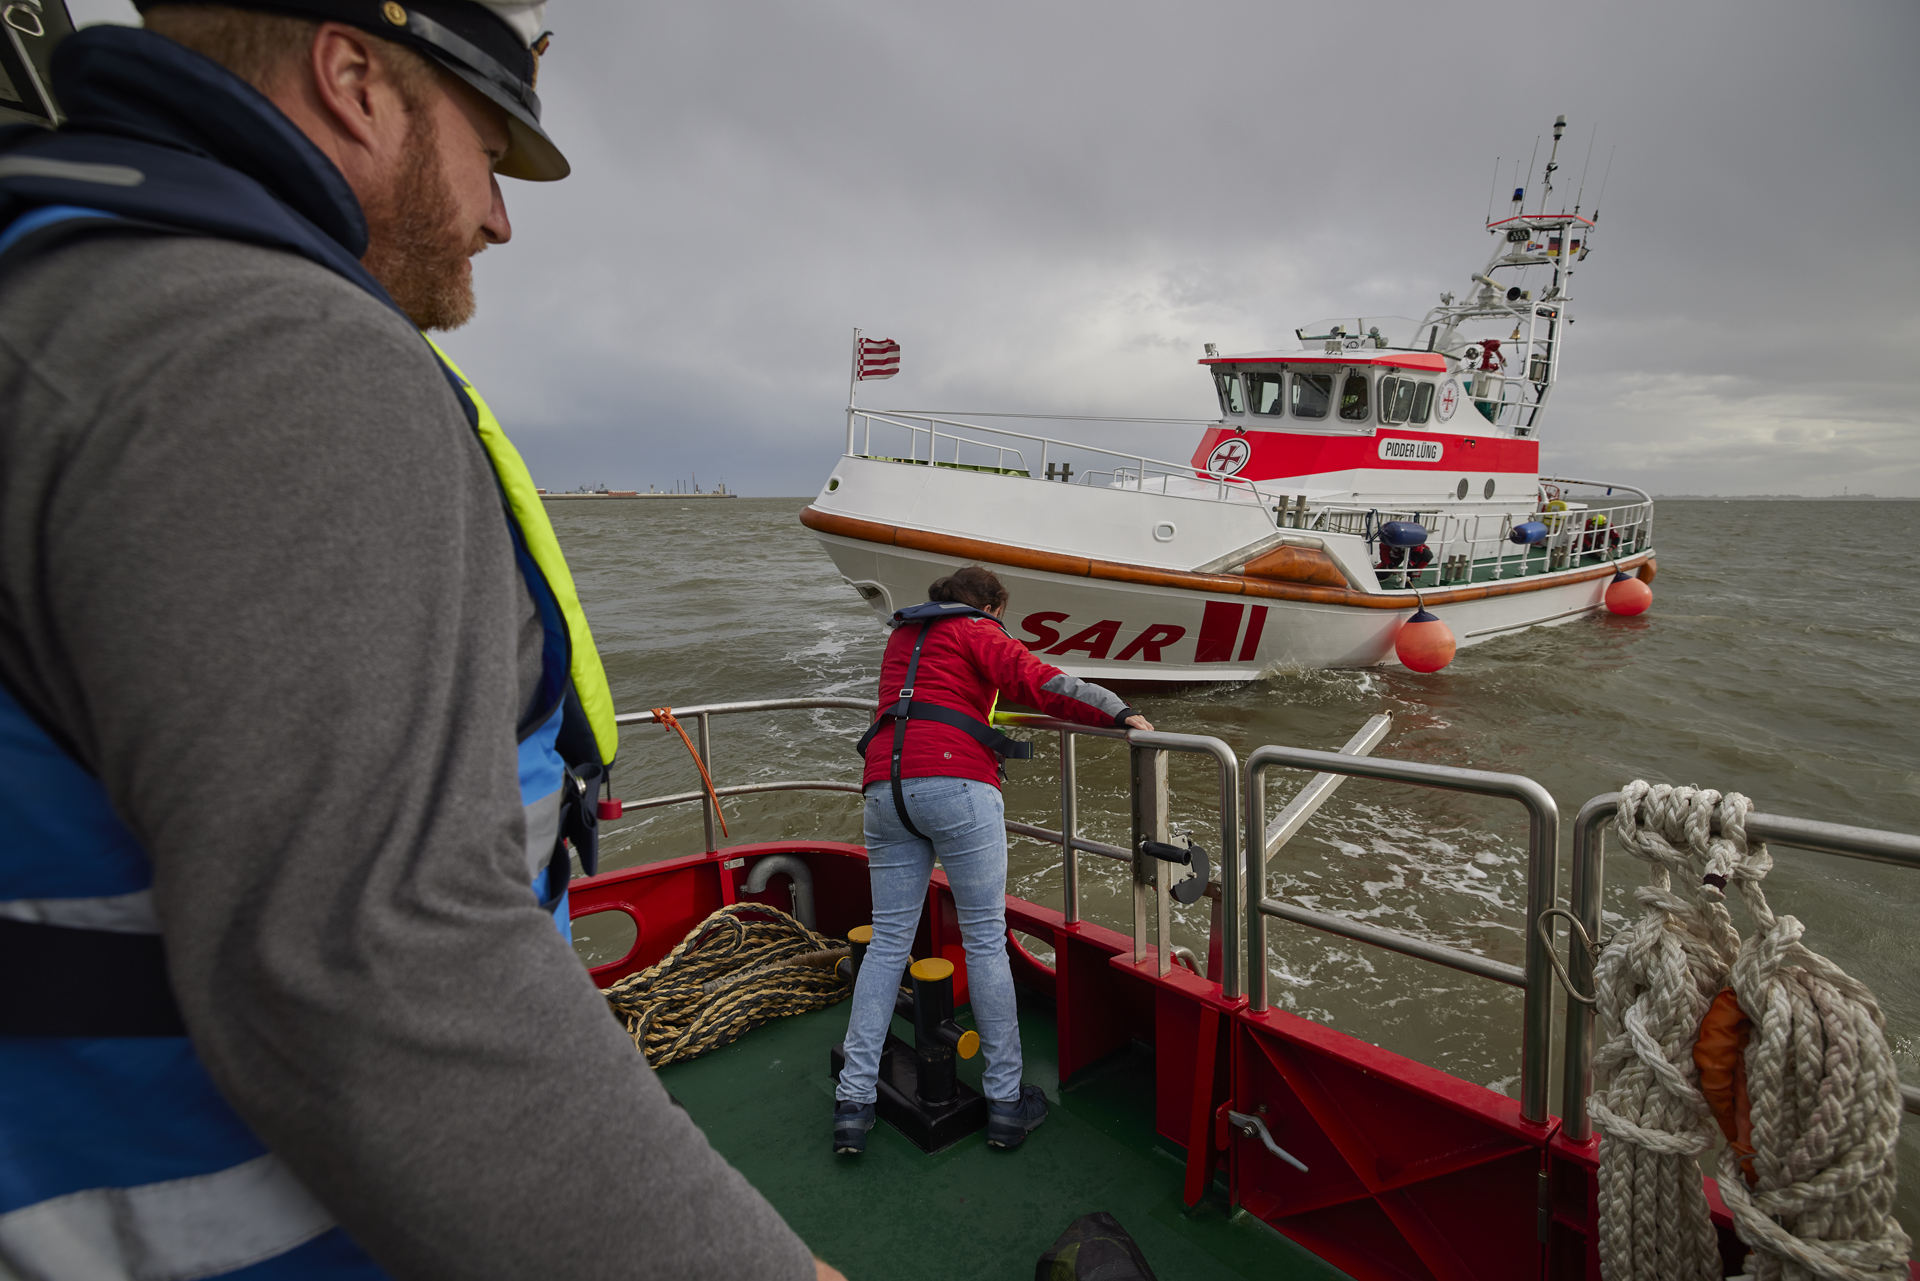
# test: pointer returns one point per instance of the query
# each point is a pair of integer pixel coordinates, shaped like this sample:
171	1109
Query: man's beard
414	246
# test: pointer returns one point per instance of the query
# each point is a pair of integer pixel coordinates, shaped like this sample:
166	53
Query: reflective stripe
530	515
70	170
543	831
120	914
172	1231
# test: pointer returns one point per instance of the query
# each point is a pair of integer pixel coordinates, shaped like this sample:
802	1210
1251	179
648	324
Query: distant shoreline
619	494
1788	498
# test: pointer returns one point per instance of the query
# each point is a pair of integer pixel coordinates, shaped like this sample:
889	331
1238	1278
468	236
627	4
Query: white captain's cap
492	45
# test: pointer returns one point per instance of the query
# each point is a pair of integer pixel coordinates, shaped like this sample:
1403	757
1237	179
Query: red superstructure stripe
1278	455
1401	360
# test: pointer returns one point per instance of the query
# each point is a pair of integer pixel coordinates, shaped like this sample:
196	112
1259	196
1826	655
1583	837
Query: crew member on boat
296	698
932	790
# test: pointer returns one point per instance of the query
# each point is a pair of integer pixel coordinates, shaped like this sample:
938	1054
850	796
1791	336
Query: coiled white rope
1825	1099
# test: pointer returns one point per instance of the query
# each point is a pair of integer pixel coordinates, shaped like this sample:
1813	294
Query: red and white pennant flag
879	358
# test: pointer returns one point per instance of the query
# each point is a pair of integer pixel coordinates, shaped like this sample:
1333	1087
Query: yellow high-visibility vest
523	499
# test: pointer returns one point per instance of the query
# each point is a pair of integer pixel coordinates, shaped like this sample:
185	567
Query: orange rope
667	721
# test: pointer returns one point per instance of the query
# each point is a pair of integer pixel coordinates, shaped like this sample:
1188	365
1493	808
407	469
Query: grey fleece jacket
254	571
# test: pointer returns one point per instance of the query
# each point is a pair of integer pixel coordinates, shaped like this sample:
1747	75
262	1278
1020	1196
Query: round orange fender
1424	643
1628	596
1721	1056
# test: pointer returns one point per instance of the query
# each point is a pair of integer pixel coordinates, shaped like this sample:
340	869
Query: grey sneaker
851	1121
1008	1124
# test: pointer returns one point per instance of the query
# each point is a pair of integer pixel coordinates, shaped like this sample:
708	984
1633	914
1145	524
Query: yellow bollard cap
860	934
933	969
969	1044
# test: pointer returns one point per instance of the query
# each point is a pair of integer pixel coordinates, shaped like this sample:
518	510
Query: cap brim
531	155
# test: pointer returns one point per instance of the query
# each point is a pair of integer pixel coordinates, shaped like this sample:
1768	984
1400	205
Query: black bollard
919	1093
858	939
932	1006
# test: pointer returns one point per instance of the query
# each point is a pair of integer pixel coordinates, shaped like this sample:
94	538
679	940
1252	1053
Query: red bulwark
1412	1173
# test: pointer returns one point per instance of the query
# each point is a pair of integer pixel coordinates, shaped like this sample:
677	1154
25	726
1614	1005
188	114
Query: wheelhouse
1346	394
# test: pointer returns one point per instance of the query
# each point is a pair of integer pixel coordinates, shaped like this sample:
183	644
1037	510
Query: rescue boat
1380	464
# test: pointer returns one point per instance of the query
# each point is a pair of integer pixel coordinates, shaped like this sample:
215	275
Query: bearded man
296	698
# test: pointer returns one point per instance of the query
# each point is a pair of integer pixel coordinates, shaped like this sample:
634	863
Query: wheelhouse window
1266	393
1231	400
1353	398
1312	393
1423	402
1396	399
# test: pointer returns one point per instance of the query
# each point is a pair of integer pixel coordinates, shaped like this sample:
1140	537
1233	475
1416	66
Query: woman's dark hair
974	585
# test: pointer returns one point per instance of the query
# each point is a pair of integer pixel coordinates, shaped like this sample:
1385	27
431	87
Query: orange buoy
1628	596
1424	643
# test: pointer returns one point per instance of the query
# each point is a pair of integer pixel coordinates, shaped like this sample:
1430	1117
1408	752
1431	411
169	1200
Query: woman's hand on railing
1137	721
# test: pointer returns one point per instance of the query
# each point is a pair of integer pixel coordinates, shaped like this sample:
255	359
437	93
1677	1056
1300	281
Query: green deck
765	1103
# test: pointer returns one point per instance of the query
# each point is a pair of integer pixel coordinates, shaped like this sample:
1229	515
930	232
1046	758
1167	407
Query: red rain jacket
965	662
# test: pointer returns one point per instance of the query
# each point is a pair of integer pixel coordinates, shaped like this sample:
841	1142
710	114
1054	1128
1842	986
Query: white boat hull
1140	612
1049	610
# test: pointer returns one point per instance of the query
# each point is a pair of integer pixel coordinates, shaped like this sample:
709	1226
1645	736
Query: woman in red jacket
933	791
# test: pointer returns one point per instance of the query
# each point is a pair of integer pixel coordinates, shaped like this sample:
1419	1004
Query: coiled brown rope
745	965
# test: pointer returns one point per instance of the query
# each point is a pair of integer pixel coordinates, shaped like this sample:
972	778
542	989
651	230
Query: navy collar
935	610
130	83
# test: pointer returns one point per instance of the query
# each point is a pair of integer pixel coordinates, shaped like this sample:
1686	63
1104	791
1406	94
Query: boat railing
702	716
1128	470
1584	942
1248	840
1244	906
1475	547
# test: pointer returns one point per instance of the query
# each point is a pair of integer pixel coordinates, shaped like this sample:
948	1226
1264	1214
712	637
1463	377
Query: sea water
1781	659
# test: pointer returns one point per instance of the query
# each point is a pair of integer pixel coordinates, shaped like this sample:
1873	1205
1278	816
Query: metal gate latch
1252	1125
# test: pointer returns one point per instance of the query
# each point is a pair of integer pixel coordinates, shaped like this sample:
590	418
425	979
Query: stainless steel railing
702	715
1543	836
1245	907
1589	865
1137	469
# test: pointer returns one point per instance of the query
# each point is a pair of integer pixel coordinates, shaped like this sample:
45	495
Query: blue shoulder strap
46	216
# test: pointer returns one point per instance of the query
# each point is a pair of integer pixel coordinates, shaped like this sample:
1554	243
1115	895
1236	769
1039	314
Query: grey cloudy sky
1053	205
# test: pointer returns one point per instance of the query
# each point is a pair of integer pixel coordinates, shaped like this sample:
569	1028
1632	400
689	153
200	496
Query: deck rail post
1232	878
1069	829
1589	864
706	756
1147	786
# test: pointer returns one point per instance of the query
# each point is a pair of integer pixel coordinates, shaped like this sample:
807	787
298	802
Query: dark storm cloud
1052	206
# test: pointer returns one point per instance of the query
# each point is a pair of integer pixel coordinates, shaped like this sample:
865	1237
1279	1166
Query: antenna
1583	168
1553	162
1493	185
1603	182
1530	159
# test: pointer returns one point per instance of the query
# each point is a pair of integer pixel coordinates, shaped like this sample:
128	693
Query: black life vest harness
906	708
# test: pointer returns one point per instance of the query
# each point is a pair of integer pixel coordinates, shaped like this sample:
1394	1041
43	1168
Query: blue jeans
966	820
